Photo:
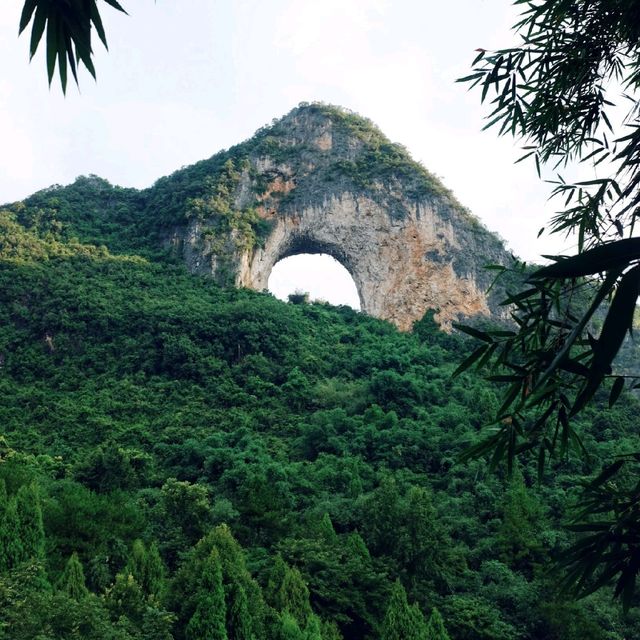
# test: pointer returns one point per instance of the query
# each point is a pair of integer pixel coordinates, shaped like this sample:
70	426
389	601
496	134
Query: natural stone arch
396	263
294	244
321	275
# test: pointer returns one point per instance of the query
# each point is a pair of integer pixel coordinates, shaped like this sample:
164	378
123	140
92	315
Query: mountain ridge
319	179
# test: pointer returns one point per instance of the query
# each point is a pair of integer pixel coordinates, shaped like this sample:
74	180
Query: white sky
183	80
321	275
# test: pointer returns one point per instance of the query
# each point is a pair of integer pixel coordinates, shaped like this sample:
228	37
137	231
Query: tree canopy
152	416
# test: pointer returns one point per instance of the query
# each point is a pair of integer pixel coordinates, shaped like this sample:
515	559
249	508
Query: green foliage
108	468
30	609
298	297
187	507
227	229
287	592
330	631
288	628
326	530
72	580
146	566
473	618
208	620
29	515
242	597
90	210
401	621
557	91
125	599
435	627
11	547
523	524
240	623
157	420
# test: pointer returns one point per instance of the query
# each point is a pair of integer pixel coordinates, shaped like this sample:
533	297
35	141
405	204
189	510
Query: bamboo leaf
608	256
115	5
476	333
97	21
468	362
602	293
39	23
512	394
52	44
27	12
618	321
607	472
473	76
616	390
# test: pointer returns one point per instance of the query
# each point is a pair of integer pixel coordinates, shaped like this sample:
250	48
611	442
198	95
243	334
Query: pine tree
394	623
289	628
423	540
231	554
154	572
357	547
287	591
125	598
249	609
156	625
11	551
72	581
401	621
313	629
31	530
295	595
208	620
137	560
417	623
435	627
4	525
239	619
326	530
235	572
146	566
330	631
274	581
382	511
523	520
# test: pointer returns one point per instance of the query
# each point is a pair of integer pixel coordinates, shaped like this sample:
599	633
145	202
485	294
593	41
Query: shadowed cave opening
318	274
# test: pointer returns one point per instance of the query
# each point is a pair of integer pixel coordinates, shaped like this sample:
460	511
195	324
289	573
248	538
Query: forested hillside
184	461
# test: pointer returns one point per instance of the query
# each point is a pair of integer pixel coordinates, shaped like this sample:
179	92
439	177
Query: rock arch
305	245
318	276
401	267
295	237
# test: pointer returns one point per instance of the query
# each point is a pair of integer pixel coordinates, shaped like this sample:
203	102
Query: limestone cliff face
323	180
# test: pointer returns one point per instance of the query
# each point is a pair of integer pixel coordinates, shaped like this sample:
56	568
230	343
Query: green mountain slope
184	461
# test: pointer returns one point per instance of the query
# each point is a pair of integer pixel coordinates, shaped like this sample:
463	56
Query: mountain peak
323	179
331	129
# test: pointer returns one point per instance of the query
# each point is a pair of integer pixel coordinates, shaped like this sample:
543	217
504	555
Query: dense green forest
184	461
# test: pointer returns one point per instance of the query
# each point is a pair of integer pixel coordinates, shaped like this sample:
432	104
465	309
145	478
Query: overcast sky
185	79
